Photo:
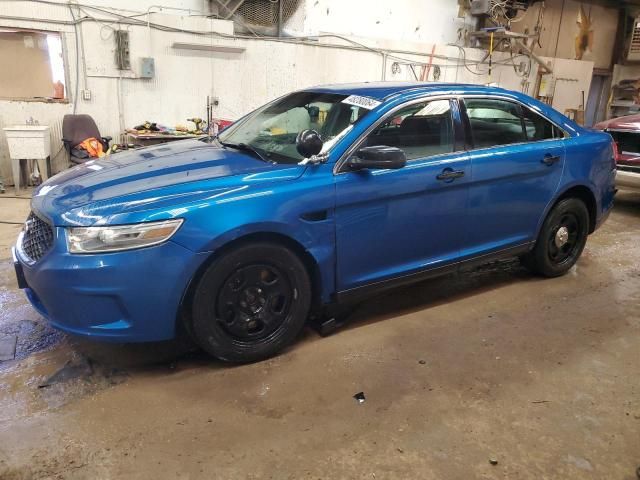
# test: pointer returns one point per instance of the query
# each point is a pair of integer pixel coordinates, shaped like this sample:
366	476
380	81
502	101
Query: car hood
160	175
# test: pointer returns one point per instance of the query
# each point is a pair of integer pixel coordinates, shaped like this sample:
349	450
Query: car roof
387	91
383	90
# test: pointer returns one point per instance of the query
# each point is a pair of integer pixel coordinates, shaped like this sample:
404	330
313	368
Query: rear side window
537	127
494	122
420	130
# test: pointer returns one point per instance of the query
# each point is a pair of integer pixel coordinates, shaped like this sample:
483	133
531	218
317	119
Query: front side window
494	122
420	130
272	130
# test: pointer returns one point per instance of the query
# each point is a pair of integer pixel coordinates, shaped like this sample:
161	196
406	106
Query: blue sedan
320	197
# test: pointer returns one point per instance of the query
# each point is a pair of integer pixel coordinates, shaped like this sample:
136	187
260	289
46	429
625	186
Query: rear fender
566	192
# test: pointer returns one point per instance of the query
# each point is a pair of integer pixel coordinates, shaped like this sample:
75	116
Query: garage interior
489	373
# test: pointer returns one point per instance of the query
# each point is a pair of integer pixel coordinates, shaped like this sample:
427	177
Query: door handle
448	174
550	159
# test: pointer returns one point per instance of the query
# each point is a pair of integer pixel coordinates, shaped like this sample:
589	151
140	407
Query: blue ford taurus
317	198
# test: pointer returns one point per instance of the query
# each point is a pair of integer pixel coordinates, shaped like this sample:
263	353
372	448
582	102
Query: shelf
628	104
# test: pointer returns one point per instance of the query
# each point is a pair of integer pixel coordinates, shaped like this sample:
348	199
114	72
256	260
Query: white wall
426	21
265	70
437	21
178	6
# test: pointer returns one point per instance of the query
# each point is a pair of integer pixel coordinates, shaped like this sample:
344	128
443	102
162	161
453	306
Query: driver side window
420	130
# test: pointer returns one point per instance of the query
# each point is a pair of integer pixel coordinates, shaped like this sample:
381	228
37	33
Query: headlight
120	237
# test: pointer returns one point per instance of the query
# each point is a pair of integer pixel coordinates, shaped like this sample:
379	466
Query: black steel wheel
561	240
254	301
250	303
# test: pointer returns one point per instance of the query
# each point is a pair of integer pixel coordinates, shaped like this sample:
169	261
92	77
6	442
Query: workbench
146	139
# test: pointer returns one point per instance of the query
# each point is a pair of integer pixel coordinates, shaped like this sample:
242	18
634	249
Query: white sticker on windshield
364	102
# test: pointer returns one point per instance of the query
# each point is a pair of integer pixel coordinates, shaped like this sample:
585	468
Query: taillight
616	151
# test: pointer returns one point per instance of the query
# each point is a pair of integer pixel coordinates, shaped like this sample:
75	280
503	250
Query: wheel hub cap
252	300
562	237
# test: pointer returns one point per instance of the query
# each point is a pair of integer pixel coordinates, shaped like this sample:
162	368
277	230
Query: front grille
37	238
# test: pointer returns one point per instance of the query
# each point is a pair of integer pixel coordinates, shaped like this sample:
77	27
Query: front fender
320	249
302	211
301	237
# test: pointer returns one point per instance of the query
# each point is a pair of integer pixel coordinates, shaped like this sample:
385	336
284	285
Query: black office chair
75	130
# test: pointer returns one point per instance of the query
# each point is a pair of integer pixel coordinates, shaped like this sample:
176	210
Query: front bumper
129	296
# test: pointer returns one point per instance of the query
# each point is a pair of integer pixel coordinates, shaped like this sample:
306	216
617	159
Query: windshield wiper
247	148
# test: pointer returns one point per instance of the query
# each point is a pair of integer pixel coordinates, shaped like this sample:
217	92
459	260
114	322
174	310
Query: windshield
271	131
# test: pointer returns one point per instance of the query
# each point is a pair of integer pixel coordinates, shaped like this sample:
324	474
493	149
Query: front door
517	161
391	223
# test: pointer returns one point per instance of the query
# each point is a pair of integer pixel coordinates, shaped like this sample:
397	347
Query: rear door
517	157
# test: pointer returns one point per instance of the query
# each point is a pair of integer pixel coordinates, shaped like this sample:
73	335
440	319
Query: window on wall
31	65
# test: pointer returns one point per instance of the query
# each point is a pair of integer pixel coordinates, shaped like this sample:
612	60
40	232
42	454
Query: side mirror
378	157
308	143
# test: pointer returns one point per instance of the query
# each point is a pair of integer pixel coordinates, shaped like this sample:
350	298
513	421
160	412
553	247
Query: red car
626	133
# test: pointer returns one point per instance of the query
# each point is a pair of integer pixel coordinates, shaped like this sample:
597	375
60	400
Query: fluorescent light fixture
207	48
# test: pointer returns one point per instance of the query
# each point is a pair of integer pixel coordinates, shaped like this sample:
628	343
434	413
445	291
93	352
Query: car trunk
628	148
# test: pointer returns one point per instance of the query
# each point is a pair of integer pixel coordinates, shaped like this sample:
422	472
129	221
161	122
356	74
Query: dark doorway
597	100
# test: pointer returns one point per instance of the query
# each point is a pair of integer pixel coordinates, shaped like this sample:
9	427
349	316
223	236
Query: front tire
561	240
251	303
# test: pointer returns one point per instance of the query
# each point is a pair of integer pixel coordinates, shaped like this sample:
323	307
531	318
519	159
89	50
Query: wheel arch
276	238
581	191
585	194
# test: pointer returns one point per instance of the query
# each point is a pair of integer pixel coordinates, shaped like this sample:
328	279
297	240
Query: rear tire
250	303
561	240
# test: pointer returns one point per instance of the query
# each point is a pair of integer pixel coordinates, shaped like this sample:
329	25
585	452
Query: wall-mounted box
480	7
147	67
123	61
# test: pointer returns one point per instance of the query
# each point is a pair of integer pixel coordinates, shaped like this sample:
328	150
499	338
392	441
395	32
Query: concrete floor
538	375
